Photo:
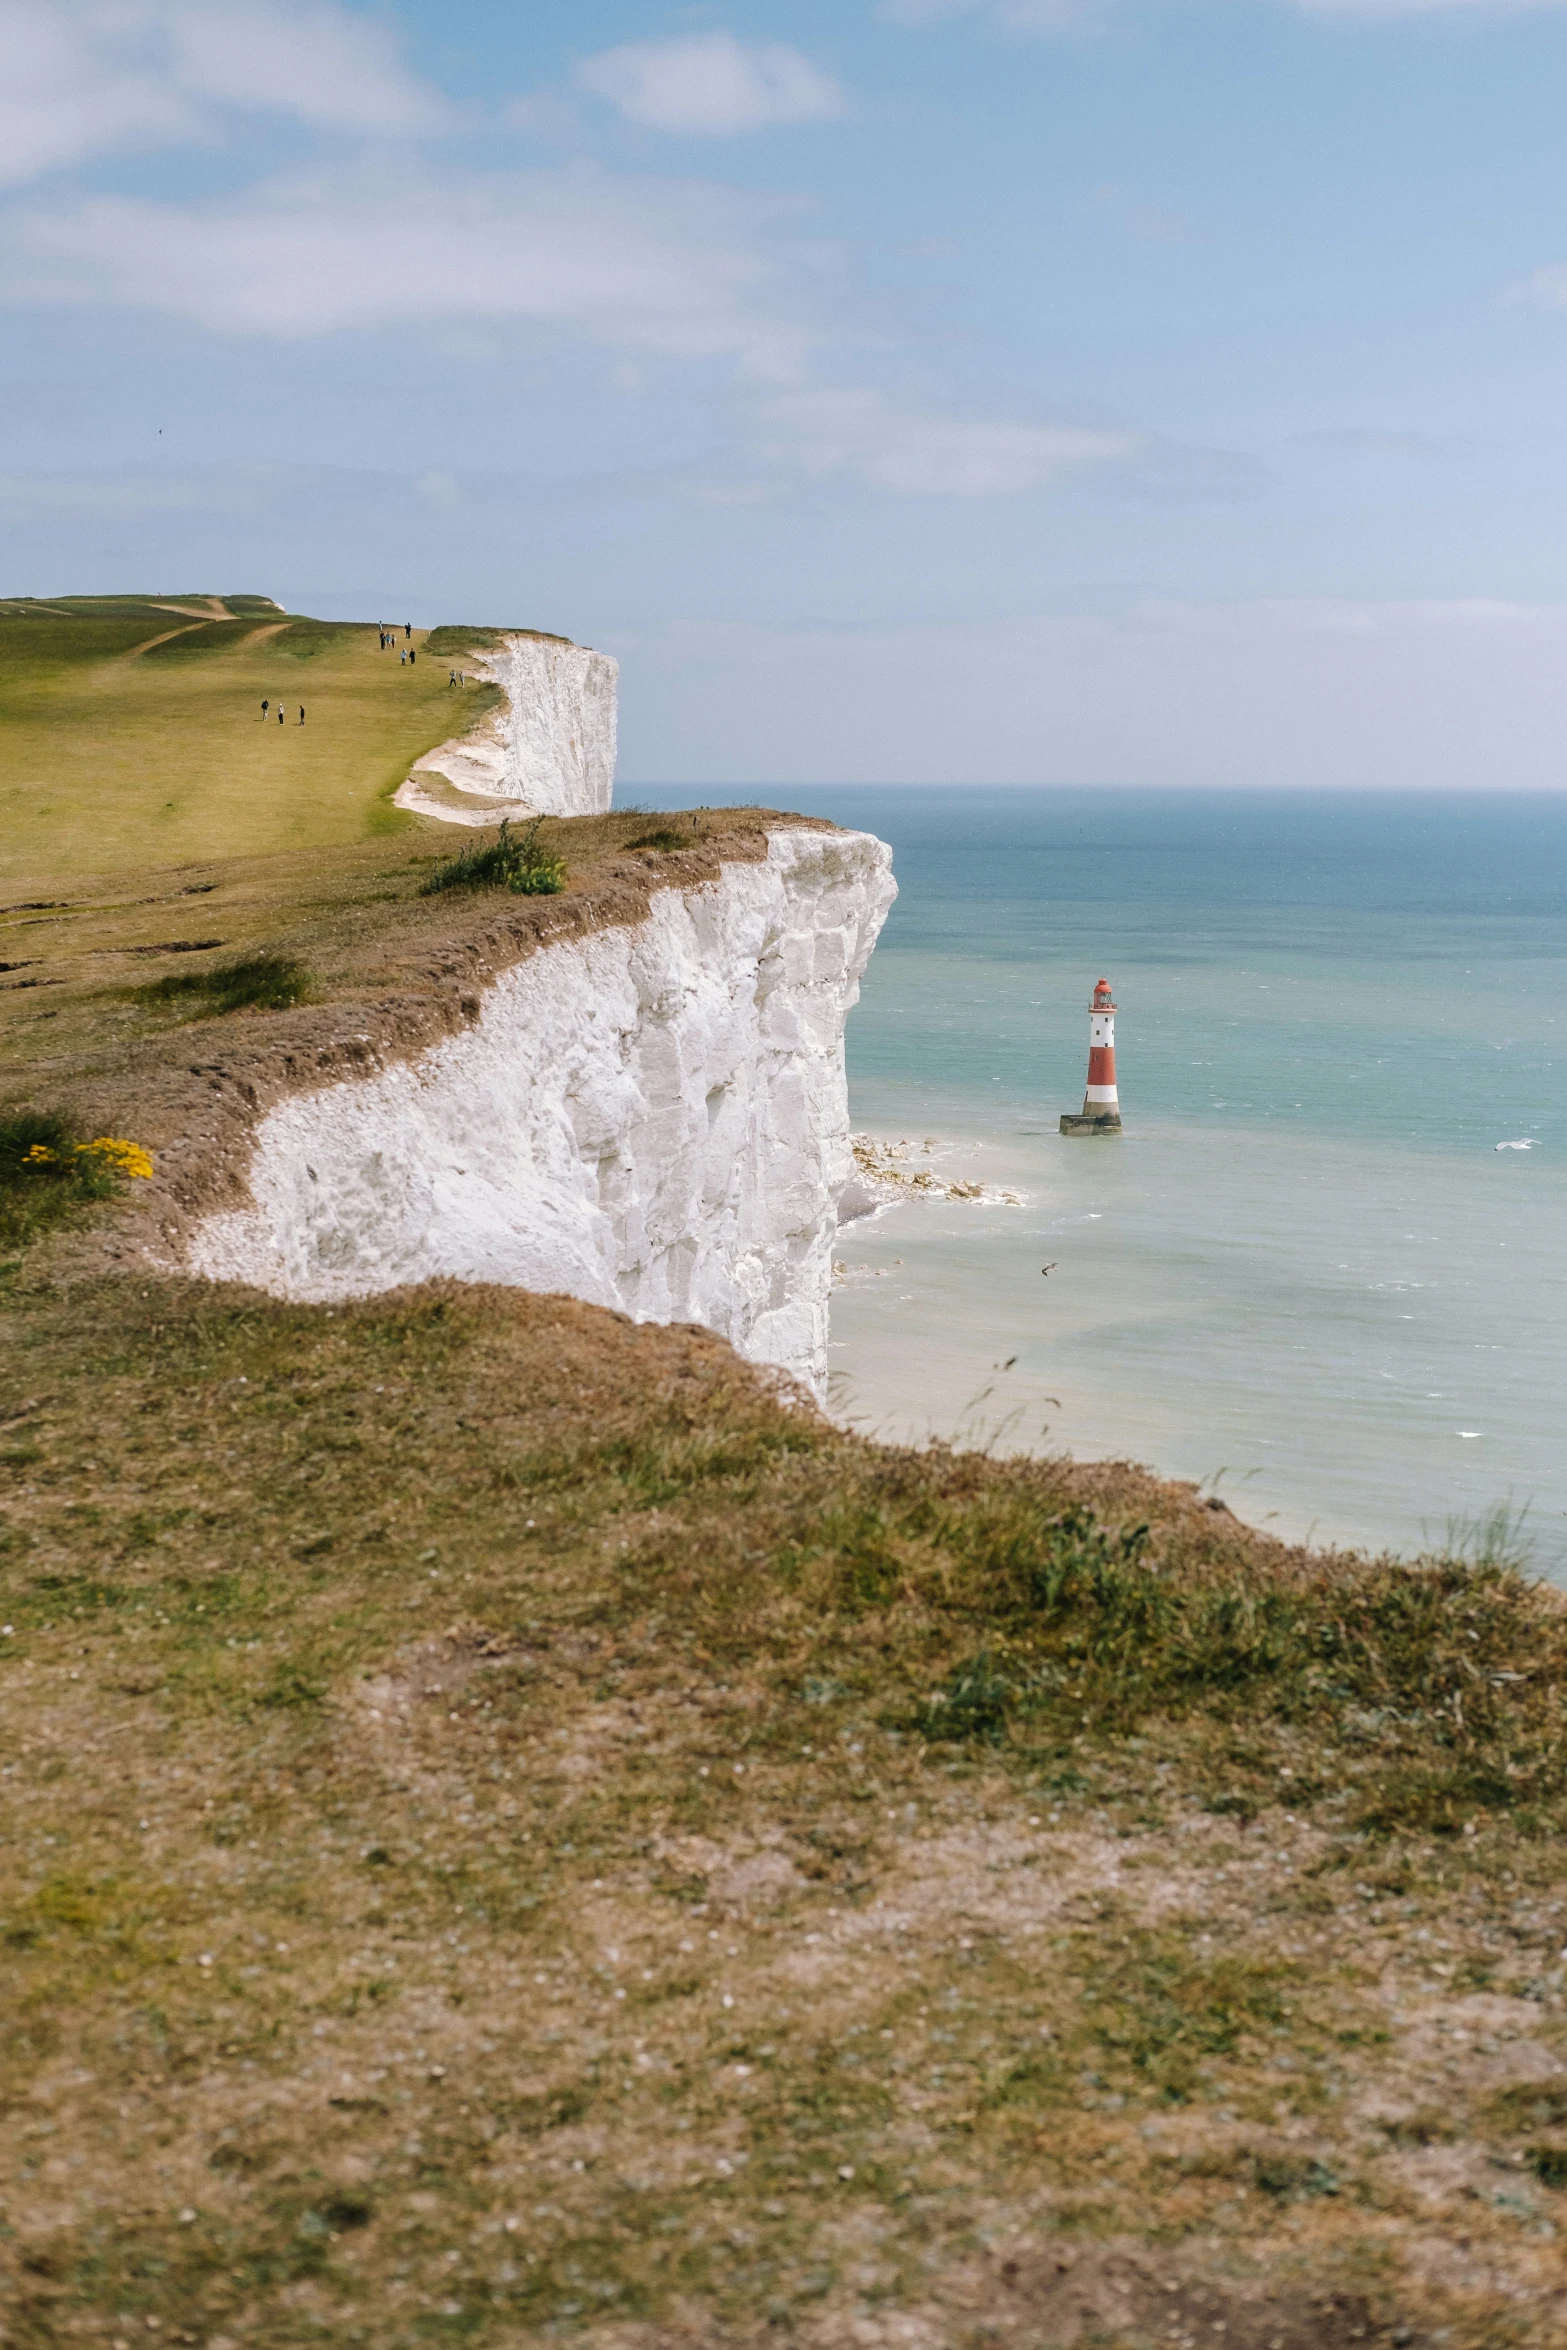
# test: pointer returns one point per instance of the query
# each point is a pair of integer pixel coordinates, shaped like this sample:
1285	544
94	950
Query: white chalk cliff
653	1117
550	751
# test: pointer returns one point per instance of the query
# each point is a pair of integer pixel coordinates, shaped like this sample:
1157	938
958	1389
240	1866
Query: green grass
261	983
120	750
448	640
49	1175
664	837
481	1866
513	861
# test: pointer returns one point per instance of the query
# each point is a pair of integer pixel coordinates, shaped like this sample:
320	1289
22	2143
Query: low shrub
256	983
973	1702
1288	2176
48	1172
512	862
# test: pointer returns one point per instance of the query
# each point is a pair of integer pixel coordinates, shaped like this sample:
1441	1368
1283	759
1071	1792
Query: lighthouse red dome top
1102	1001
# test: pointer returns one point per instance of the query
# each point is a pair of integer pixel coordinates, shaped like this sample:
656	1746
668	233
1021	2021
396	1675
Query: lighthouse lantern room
1101	1112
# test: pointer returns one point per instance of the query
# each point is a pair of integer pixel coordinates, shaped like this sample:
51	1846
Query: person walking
265	707
412	656
280	713
408	630
301	713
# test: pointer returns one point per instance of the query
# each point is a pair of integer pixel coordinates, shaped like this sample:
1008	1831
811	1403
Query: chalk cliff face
653	1117
549	752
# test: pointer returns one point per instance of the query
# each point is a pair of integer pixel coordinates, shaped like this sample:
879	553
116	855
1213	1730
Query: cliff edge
549	750
653	1117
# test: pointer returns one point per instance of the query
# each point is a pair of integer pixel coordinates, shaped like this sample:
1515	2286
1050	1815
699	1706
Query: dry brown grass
90	1029
482	1868
80	959
515	1831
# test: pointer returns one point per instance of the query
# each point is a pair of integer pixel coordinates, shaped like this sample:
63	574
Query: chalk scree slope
653	1117
549	752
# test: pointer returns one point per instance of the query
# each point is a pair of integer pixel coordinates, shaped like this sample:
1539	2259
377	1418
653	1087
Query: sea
1318	1273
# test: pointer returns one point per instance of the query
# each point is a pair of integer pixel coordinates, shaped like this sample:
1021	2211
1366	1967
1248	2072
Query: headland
520	1824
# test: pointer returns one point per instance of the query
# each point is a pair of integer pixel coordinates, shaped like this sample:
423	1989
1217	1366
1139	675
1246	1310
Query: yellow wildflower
126	1158
39	1156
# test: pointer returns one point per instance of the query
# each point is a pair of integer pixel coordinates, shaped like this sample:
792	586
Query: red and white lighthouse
1101	1106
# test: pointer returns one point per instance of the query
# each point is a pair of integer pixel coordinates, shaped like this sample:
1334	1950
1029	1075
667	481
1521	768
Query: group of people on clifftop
388	637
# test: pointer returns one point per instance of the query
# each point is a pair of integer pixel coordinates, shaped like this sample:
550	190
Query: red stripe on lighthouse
1101	1113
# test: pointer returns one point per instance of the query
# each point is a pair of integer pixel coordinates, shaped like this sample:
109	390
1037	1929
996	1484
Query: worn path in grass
131	732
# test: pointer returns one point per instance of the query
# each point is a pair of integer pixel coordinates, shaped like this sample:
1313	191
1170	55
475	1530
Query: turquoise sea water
1305	1264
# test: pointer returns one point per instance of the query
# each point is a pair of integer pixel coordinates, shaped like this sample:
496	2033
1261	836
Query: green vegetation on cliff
131	730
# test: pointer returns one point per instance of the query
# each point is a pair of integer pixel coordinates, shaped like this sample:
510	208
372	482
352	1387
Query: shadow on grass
256	983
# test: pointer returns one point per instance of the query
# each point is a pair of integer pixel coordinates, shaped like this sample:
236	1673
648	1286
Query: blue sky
1072	391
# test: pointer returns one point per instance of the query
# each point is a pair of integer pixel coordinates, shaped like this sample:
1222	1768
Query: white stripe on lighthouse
1101	1111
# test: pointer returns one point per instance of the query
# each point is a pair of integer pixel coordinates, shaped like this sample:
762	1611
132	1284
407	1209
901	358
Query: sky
1077	392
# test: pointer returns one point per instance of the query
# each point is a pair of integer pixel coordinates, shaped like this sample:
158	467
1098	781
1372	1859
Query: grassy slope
117	750
484	1862
485	1865
80	961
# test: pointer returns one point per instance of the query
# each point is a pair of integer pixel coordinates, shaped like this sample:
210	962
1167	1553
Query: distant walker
1101	1107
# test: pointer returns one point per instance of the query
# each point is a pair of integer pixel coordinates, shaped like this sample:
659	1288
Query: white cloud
1546	287
646	268
677	267
80	78
862	435
711	84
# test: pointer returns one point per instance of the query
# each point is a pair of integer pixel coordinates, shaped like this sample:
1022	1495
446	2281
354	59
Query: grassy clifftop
517	1832
131	730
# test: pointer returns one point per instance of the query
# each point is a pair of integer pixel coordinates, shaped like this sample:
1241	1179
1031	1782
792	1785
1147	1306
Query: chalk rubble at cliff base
884	1174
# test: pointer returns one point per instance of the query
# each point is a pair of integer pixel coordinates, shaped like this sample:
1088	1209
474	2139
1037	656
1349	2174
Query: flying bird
1050	1268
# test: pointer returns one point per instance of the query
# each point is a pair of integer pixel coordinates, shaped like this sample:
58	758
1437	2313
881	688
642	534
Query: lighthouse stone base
1076	1123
